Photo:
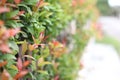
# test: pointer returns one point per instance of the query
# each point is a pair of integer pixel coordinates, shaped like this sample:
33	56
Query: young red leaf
74	3
19	64
81	65
3	63
20	74
19	14
11	5
17	1
33	47
5	75
4	9
55	43
1	22
28	56
56	77
3	2
41	37
45	38
26	63
5	48
13	32
39	3
10	33
81	1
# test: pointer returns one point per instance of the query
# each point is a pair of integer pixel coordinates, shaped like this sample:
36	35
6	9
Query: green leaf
13	45
30	2
12	72
44	63
24	47
45	52
12	23
7	57
13	67
28	56
12	14
42	72
24	34
32	76
27	8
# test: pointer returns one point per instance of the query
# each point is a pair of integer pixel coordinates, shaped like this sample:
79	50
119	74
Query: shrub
29	29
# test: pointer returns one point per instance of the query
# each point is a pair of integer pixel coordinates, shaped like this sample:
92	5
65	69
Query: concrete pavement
101	61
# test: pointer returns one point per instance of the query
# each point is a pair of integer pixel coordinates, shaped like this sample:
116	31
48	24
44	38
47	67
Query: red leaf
17	1
41	37
81	1
11	32
5	48
19	64
26	63
81	65
56	77
20	74
5	75
3	63
39	3
11	5
4	9
74	3
1	22
19	14
56	43
33	47
3	2
45	38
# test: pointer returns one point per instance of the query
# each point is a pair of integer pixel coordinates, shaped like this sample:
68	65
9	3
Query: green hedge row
31	44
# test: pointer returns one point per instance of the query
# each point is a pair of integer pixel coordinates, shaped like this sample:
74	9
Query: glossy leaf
56	77
14	67
20	74
7	57
26	63
17	1
32	47
3	63
19	64
24	47
4	9
11	14
1	23
28	56
44	63
13	46
11	32
41	37
5	48
5	75
42	72
3	2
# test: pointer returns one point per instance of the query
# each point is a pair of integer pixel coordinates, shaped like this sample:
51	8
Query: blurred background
59	40
101	58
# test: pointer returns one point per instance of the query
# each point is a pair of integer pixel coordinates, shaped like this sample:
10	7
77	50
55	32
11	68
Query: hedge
35	43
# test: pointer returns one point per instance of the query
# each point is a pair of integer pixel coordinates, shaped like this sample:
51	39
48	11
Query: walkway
101	61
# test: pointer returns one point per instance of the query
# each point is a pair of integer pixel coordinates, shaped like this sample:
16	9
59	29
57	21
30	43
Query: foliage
104	8
29	49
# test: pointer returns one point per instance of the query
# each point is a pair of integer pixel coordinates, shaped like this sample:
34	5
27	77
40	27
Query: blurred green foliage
103	7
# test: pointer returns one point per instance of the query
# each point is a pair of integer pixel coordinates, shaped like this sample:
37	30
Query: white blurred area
100	62
114	3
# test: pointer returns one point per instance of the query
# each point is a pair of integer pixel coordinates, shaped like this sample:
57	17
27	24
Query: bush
31	44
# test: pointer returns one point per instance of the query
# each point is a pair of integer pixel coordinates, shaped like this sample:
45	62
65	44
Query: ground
101	61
